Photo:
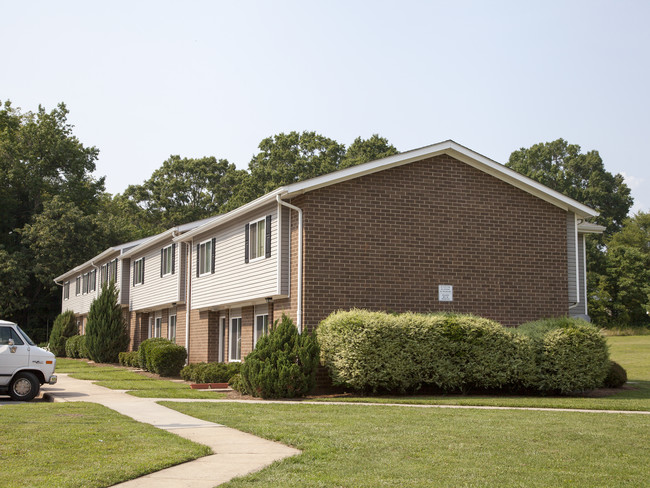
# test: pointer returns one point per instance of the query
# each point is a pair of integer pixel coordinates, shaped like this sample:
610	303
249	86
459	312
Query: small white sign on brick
445	293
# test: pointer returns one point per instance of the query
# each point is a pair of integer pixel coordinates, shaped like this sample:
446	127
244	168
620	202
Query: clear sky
147	79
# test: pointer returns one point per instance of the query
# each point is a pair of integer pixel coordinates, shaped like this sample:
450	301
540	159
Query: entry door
11	361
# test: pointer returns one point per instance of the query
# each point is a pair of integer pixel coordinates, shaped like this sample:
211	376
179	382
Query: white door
12	357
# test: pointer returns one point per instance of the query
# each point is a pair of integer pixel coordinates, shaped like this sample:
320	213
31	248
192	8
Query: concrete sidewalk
235	453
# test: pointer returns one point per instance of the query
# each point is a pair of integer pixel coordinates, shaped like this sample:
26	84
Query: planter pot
209	386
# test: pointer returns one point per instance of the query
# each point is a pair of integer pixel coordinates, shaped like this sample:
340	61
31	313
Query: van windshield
27	339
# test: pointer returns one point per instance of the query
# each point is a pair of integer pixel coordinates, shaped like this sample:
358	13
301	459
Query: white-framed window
261	327
84	284
205	258
77	286
222	338
103	274
157	329
171	328
235	339
112	270
66	290
138	271
167	260
92	280
150	328
257	239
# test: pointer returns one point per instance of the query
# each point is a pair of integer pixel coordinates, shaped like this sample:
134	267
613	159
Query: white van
24	366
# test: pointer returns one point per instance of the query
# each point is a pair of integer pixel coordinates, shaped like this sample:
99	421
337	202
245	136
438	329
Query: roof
108	253
448	147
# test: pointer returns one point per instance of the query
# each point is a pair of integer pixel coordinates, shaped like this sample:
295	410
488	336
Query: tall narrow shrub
65	326
106	332
283	363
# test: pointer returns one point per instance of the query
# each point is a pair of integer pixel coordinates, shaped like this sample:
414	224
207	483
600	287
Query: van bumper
52	381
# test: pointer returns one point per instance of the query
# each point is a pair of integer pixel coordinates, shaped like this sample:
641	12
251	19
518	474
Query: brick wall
385	241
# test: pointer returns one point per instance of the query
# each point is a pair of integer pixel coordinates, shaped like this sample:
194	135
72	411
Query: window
171	329
167	260
92	280
7	333
257	238
84	285
112	270
205	256
261	326
77	286
150	328
222	338
66	290
138	271
235	339
157	327
103	274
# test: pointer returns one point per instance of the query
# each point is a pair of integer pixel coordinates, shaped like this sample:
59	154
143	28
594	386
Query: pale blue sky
145	79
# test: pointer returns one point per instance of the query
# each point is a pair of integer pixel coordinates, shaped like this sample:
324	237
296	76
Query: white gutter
299	210
188	288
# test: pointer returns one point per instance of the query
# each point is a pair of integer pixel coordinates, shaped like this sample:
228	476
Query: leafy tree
635	233
283	363
562	167
65	326
366	150
106	332
184	189
43	166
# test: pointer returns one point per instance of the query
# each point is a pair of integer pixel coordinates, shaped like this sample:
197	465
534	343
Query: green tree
106	332
184	190
65	326
366	150
583	177
42	166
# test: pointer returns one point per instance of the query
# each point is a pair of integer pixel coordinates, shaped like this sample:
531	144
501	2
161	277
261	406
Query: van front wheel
24	387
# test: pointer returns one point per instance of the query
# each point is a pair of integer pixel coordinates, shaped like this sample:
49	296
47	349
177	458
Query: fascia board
233	214
589	228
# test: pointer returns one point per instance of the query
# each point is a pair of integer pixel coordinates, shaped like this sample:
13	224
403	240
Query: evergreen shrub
571	354
166	359
282	365
65	326
145	347
210	372
129	359
375	351
616	376
106	331
75	347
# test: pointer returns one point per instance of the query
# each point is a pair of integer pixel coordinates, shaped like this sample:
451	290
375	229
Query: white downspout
299	210
188	288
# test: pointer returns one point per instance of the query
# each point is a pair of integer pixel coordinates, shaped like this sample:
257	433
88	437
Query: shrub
236	383
129	359
282	365
571	354
65	326
145	347
106	330
189	372
616	376
388	352
166	359
75	347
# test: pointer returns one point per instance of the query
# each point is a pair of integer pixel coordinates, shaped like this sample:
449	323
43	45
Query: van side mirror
10	342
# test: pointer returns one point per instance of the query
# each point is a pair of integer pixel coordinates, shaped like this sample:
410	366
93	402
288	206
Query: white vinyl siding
87	287
234	280
157	291
284	268
581	308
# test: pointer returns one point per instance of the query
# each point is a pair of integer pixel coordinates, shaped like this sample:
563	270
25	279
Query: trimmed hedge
616	376
282	365
166	359
375	351
143	351
210	372
75	347
129	359
571	354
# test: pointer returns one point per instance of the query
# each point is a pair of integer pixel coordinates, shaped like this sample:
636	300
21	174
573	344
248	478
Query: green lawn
123	379
65	445
632	352
373	446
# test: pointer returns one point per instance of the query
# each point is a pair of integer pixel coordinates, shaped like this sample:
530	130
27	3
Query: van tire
24	387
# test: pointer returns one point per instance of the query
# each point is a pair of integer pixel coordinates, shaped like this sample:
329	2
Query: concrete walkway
235	453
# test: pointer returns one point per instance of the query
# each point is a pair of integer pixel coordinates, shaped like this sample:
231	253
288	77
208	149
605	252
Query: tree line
56	214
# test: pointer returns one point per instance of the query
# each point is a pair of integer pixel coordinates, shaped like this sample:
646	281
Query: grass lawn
65	445
123	379
374	446
632	352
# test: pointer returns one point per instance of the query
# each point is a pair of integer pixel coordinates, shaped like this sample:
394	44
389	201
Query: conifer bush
282	365
75	347
129	359
106	332
65	326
